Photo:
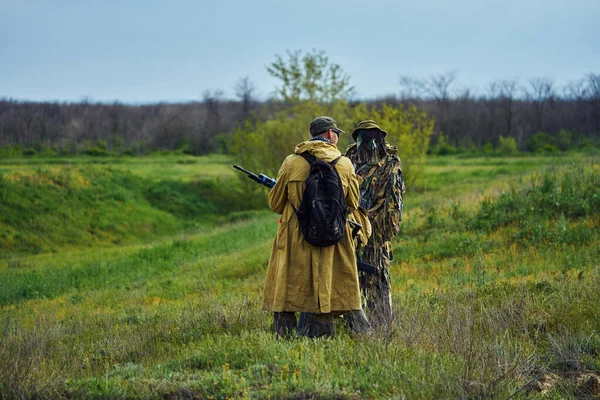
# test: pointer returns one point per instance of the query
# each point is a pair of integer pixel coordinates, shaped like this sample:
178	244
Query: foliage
311	77
262	146
507	145
9	151
541	142
30	151
118	144
571	119
571	195
565	140
443	147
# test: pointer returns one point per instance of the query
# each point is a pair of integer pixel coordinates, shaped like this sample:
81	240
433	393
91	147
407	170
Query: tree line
567	116
564	117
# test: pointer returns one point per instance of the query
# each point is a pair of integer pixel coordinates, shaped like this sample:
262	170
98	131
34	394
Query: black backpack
322	212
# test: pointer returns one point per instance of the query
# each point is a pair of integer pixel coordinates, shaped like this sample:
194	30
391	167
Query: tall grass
491	300
484	343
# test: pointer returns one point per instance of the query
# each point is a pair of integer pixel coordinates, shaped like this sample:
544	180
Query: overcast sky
142	51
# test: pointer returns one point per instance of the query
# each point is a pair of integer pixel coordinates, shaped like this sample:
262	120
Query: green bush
97	152
137	149
100	149
565	140
507	146
541	142
30	151
9	151
118	144
487	149
263	145
442	147
535	210
588	144
68	147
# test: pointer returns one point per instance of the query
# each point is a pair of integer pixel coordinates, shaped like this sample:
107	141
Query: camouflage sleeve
389	214
395	201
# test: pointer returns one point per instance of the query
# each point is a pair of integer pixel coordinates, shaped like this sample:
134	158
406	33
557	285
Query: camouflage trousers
376	287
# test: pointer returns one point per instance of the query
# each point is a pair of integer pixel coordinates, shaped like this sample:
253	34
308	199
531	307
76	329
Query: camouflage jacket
381	192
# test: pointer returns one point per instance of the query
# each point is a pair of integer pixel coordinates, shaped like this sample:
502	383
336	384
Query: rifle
260	178
270	182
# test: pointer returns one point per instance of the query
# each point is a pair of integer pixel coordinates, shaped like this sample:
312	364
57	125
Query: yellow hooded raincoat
302	277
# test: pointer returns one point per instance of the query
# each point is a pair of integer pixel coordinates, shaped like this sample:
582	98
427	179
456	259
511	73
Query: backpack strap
310	159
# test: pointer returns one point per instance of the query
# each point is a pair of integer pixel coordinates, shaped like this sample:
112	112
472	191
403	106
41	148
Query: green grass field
142	278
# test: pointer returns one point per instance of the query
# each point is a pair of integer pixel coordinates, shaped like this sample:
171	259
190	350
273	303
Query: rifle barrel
242	169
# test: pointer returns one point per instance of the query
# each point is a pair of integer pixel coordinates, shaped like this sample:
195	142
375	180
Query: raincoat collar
320	149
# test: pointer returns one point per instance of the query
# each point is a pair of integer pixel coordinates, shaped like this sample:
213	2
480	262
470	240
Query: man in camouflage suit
381	191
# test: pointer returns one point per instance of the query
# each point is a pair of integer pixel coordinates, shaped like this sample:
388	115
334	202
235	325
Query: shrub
9	151
442	147
487	149
263	145
118	144
587	144
137	149
48	150
564	140
507	145
541	142
544	210
68	147
97	152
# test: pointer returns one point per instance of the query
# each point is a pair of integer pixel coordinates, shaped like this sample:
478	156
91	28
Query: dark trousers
316	325
284	324
310	325
313	325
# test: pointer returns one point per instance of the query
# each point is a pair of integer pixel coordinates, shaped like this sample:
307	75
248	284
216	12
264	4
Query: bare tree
212	121
508	92
594	97
244	91
540	93
492	100
411	88
463	117
503	109
438	88
575	95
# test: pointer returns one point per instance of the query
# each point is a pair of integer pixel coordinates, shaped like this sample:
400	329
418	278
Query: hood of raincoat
322	150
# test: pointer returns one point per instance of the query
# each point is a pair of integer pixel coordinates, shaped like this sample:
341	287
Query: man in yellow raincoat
322	281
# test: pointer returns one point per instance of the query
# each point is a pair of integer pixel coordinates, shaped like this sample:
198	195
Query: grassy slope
482	308
72	203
